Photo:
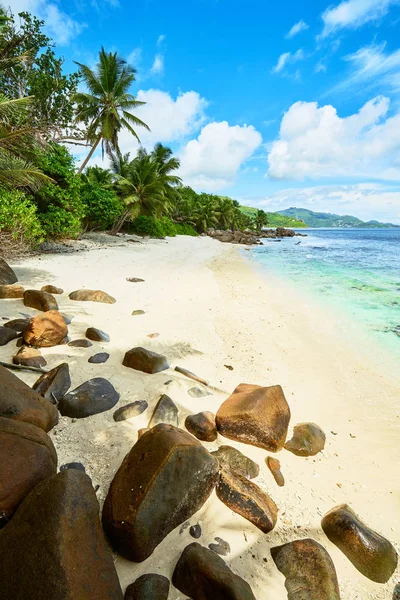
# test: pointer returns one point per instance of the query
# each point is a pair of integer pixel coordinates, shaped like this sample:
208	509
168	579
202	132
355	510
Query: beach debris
99	358
131	410
153	335
92	296
221	547
80	344
7	335
55	384
135	280
247	500
200	573
308	567
18	325
42	301
308	439
233	460
165	463
12	290
19	402
255	415
92	397
165	412
52	289
195	531
44	537
148	587
30	357
7	275
136	313
144	360
45	330
73	465
21	367
97	335
202	426
27	457
371	554
229	367
191	375
198	392
274	466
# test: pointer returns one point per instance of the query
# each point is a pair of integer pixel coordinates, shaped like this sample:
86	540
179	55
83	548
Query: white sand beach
212	307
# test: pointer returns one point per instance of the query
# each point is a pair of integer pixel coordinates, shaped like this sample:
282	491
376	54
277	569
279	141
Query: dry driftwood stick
22	367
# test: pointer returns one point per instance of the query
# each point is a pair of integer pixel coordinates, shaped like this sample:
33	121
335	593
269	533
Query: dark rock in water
18	325
7	335
27	457
233	460
191	375
148	587
46	330
138	312
11	291
308	439
97	335
19	402
202	574
55	384
274	466
134	409
92	296
52	289
308	570
7	275
198	392
135	280
165	412
54	547
255	415
202	426
92	397
221	547
74	465
371	553
29	357
80	344
248	500
40	300
99	358
162	482
144	360
195	531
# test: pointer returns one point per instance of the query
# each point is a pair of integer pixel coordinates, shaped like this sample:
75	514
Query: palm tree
206	214
105	108
120	163
261	219
99	176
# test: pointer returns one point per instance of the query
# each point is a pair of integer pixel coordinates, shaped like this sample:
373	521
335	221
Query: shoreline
213	307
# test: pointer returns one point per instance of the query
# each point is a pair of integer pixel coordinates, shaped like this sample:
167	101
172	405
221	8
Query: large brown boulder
162	482
54	384
92	296
40	300
308	570
54	547
11	291
203	575
372	554
27	457
19	402
255	415
45	330
146	361
7	275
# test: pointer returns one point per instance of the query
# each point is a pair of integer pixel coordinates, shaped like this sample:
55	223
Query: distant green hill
275	219
320	219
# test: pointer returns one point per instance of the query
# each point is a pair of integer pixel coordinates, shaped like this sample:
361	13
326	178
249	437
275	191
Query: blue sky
276	104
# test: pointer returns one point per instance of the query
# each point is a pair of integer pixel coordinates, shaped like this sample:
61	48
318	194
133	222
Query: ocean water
356	270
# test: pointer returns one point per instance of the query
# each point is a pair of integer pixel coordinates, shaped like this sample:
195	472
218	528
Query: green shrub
185	229
168	226
102	206
145	225
18	218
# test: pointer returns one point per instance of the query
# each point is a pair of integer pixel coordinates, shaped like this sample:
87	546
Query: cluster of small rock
162	482
249	237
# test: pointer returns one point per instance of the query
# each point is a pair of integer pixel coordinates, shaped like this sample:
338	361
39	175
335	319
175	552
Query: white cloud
135	57
212	161
315	142
297	28
320	67
158	65
288	58
161	39
353	14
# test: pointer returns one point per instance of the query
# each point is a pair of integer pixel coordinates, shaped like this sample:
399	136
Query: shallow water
357	270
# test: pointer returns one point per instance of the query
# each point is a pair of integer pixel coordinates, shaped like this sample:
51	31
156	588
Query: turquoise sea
356	270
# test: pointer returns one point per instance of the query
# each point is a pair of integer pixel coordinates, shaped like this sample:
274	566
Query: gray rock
165	412
134	409
7	275
7	335
29	357
202	426
92	397
99	358
74	465
55	384
144	360
80	344
232	459
148	587
198	392
18	325
221	547
195	531
138	312
97	335
308	439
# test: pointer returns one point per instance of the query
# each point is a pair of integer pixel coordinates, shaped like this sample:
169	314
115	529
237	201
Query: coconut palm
206	214
261	219
105	108
99	176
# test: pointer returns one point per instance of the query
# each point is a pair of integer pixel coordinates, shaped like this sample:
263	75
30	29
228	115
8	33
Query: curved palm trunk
119	223
89	156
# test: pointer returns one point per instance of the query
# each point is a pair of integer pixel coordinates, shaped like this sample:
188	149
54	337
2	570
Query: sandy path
213	308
